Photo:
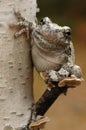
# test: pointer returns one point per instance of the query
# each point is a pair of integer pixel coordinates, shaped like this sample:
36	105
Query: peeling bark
16	73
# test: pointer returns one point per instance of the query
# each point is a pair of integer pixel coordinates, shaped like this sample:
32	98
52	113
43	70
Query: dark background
68	112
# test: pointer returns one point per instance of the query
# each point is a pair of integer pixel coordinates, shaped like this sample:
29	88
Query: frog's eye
42	21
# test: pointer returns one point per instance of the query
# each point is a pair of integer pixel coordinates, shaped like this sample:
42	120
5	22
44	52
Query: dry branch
48	98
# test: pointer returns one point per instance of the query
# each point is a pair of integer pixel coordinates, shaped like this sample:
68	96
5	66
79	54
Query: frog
52	51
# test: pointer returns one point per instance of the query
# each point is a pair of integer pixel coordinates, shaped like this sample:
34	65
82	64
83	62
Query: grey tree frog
52	51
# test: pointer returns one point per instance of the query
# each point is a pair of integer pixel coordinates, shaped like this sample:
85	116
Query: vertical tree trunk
16	79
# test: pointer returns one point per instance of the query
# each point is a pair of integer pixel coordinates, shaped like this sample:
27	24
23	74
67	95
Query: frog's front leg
21	31
76	72
74	79
23	25
48	79
52	77
62	77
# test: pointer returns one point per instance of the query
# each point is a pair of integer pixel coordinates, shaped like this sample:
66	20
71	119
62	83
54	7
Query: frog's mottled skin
53	52
50	48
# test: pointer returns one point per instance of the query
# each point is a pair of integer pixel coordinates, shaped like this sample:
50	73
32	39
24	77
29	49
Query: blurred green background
68	112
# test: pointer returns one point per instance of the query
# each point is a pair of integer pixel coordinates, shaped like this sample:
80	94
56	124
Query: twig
43	104
48	98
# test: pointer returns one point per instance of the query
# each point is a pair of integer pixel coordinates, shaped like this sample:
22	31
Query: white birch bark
16	79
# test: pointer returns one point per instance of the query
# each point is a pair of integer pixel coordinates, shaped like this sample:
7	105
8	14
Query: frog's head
52	32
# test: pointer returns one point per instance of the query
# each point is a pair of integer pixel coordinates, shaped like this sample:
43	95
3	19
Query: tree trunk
16	73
